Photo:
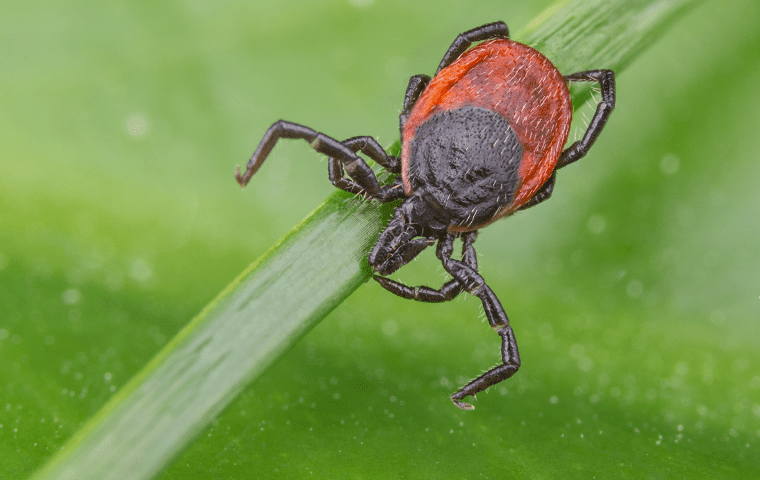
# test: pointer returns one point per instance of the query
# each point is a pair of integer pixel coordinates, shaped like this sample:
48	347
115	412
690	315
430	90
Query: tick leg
606	80
369	147
474	284
447	292
416	85
510	358
464	40
357	169
542	194
397	245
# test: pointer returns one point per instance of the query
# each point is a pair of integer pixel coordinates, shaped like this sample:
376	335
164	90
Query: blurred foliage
633	292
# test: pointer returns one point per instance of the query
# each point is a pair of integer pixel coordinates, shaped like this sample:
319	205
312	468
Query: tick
481	139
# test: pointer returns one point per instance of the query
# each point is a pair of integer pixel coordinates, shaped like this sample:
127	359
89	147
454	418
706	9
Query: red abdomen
518	83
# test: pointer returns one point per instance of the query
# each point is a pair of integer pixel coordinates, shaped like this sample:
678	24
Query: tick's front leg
510	358
448	291
474	284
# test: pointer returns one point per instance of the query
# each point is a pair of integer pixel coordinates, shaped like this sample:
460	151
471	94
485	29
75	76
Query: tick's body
498	118
480	141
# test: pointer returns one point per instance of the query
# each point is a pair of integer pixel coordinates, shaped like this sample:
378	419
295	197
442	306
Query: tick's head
414	227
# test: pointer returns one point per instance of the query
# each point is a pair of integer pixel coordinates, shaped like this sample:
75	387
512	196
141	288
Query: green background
634	293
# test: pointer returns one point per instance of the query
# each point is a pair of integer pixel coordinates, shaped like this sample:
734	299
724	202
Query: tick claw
463	405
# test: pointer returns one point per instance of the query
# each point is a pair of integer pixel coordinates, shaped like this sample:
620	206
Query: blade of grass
302	278
271	304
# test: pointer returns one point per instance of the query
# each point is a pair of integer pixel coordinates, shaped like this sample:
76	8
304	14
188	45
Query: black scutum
467	160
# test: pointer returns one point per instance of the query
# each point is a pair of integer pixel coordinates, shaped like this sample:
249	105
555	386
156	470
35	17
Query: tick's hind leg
474	284
606	81
447	292
543	193
416	86
464	40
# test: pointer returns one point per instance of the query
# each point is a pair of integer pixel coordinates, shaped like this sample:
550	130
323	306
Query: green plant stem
302	278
